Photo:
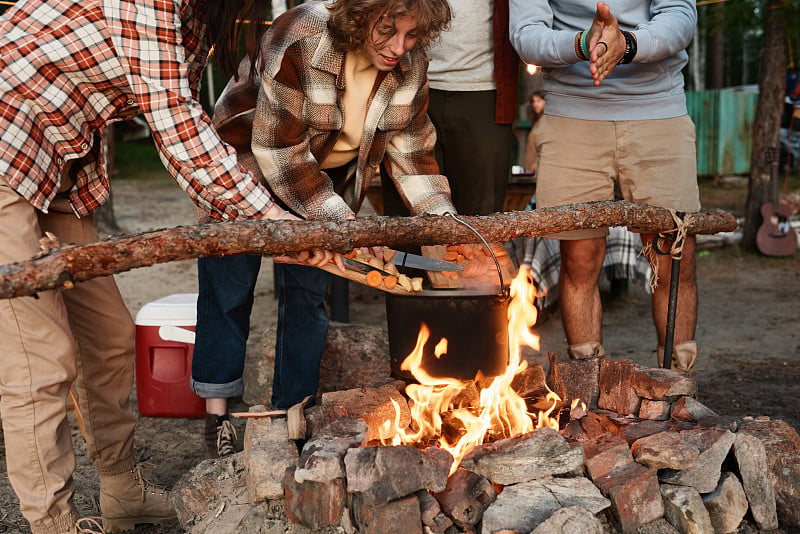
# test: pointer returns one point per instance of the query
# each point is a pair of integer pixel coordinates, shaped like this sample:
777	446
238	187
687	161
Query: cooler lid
178	309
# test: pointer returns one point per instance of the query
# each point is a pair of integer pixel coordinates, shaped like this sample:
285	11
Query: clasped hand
605	42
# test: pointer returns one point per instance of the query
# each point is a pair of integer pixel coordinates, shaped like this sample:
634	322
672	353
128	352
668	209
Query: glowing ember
443	411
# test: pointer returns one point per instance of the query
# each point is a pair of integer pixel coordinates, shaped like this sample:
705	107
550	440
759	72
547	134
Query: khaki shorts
653	162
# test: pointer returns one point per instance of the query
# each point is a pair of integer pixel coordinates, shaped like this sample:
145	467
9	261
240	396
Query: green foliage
137	159
742	24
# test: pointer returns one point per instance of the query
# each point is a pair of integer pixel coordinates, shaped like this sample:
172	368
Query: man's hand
605	42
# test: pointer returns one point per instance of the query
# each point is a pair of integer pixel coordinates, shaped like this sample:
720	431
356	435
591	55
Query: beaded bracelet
584	48
630	47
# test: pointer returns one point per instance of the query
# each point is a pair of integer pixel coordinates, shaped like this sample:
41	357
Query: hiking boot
128	499
88	525
220	436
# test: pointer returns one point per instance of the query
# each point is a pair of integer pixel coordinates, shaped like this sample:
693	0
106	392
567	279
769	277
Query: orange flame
500	411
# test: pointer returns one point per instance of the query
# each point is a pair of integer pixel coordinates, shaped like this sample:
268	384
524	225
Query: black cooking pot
474	322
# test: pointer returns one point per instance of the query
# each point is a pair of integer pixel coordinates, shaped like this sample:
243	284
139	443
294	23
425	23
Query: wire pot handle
486	244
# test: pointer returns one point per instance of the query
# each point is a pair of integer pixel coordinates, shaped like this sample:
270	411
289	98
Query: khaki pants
84	335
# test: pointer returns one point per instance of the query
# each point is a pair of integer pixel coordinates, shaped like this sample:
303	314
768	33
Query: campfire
610	448
494	411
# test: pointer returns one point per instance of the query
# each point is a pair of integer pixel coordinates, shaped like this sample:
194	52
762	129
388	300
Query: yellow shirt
359	78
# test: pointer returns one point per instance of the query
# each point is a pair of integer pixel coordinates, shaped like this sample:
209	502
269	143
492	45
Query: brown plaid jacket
69	67
298	118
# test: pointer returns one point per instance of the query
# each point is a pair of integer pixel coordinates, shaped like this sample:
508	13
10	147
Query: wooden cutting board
480	270
361	278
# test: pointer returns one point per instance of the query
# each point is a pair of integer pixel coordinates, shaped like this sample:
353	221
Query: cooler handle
176	333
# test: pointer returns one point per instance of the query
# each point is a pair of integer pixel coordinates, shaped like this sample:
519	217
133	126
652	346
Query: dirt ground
748	331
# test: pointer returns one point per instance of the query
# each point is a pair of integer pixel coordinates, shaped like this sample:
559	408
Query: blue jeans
224	304
302	332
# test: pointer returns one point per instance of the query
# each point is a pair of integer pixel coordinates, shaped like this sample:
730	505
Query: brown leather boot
88	525
128	499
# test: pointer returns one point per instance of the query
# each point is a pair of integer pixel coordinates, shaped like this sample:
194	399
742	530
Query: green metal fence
724	122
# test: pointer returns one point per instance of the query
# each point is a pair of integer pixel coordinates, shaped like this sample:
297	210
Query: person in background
473	76
70	68
341	90
616	112
535	112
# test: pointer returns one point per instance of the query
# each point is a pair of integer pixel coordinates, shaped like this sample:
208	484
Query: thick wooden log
62	266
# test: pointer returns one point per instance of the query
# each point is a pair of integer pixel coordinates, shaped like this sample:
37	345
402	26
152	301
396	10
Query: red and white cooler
164	346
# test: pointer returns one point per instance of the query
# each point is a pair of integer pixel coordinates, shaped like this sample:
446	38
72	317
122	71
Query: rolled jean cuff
217	391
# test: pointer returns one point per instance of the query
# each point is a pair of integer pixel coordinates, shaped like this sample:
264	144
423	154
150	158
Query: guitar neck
771	158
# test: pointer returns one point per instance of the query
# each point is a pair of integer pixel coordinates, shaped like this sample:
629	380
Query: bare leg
581	309
217	406
686	311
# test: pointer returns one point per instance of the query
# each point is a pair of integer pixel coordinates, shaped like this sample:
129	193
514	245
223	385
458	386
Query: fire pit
506	454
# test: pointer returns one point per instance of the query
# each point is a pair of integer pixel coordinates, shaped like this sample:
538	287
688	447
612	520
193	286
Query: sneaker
129	499
220	436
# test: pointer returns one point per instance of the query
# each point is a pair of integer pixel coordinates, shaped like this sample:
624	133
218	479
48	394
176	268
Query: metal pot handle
486	244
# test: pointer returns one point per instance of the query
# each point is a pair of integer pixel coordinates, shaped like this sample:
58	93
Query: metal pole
672	306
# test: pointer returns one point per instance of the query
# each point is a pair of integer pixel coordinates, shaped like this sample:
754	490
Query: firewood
296	420
64	266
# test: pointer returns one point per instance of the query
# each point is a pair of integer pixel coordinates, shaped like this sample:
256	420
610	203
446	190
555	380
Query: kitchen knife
415	261
361	267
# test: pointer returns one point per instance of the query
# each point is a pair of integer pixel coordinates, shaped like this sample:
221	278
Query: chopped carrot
450	255
471	270
389	282
352	254
374	278
499	250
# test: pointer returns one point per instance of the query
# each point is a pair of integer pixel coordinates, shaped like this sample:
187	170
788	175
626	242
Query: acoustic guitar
775	236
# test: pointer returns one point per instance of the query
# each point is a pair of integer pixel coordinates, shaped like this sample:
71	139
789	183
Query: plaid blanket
622	261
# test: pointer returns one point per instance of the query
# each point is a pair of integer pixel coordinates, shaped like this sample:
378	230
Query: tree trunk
767	121
716	74
62	266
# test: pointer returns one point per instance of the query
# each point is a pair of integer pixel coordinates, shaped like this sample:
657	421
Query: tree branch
63	266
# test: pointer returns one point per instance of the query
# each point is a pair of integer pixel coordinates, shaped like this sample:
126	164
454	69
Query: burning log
62	266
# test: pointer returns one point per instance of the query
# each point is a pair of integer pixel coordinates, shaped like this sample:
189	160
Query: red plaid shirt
69	67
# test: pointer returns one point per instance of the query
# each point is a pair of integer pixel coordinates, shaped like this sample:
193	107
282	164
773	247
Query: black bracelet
630	47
